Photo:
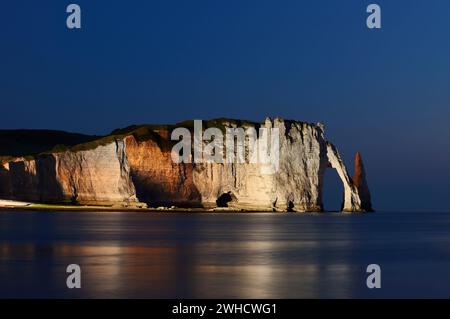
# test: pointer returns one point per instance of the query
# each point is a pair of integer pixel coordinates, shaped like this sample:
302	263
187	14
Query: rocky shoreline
17	205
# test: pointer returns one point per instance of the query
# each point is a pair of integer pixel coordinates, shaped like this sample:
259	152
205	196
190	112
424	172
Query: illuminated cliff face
92	177
129	169
295	186
157	179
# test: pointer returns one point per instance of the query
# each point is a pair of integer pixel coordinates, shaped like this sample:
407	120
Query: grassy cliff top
189	124
151	131
30	143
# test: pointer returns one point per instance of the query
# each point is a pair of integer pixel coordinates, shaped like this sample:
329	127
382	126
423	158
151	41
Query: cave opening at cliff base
226	199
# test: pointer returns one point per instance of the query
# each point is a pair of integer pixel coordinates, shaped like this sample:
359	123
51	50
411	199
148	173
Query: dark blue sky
384	92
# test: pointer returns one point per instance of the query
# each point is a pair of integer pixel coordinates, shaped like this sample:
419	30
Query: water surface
223	255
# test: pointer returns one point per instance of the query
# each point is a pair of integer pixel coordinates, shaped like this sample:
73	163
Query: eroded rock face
5	181
133	169
360	182
295	186
352	200
24	180
157	179
99	176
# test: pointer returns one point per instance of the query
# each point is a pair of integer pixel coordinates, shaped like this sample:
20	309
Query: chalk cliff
295	186
99	177
360	182
158	180
133	167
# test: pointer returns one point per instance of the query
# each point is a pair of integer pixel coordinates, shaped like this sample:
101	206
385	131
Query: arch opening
332	192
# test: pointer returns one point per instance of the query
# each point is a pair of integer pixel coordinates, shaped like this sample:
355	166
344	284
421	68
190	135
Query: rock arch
353	201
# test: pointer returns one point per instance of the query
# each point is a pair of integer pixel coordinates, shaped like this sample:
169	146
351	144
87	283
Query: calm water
159	255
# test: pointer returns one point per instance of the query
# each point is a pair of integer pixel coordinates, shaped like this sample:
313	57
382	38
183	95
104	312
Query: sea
224	255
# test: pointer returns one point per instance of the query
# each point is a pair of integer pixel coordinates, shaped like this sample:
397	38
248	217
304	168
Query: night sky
383	92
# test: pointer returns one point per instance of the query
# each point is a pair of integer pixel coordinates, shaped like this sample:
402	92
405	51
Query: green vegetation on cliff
30	143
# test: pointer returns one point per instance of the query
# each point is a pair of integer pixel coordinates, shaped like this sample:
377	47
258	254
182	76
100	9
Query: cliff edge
133	167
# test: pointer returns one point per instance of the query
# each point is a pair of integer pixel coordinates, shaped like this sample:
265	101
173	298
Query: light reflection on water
159	255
